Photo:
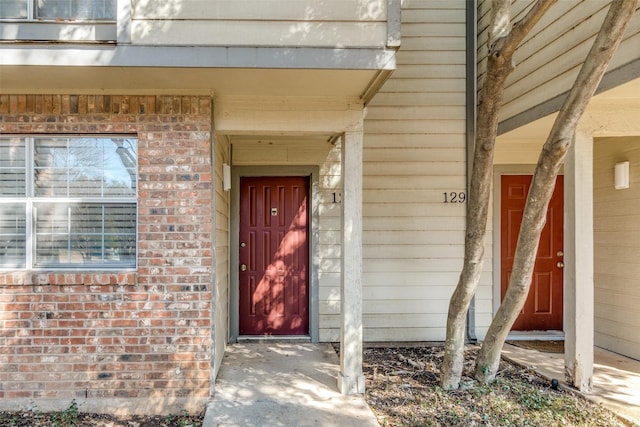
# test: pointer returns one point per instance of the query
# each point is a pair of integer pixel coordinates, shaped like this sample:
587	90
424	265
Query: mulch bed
403	390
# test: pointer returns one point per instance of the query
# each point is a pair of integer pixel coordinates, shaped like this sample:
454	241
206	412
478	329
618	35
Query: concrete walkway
283	384
616	379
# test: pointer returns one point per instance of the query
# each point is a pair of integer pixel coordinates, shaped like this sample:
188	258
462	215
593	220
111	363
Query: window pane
50	167
52	232
86	164
94	9
13	235
85	233
120	167
120	234
12	167
85	167
76	9
13	9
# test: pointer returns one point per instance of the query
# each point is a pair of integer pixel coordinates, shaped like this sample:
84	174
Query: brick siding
144	333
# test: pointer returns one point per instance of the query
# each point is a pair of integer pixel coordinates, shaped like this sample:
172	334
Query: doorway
273	255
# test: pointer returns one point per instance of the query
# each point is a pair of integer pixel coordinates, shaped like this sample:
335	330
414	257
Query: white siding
221	284
617	247
330	23
414	151
549	59
327	157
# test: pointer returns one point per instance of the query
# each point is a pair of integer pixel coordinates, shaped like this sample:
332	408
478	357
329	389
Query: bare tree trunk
549	162
504	41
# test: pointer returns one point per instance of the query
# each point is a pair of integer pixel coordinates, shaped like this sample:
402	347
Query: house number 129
454	197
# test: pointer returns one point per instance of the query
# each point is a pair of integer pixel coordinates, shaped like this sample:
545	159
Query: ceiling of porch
614	112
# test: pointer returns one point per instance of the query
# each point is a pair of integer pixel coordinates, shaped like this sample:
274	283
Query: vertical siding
327	157
617	247
414	151
221	276
549	59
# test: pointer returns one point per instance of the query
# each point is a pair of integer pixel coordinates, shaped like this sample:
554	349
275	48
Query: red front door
274	256
543	308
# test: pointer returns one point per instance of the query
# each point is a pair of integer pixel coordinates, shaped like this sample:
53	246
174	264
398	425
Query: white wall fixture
226	177
622	175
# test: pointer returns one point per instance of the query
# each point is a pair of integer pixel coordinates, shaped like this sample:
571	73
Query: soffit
178	80
610	113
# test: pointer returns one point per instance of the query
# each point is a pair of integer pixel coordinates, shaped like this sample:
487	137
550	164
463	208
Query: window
59	10
68	202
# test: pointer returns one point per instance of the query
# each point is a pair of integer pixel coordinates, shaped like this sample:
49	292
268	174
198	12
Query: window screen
14	9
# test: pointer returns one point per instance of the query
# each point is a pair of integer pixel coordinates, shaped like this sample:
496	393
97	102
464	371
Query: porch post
578	261
351	377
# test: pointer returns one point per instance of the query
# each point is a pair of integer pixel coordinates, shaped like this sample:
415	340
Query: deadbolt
560	264
560	253
243	267
243	244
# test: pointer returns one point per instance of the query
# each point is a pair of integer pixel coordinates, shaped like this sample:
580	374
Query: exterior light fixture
226	177
621	175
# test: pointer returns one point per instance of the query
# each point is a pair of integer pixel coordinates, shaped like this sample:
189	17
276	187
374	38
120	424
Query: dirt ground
70	418
402	390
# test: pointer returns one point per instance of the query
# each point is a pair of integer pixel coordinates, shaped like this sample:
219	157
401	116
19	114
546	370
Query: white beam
578	259
351	377
262	115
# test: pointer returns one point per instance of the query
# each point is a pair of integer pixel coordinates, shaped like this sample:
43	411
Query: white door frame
313	173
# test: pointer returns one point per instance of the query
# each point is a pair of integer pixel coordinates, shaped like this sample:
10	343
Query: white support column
578	260
351	377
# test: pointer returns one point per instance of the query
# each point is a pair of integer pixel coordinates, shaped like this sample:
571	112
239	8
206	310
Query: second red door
543	308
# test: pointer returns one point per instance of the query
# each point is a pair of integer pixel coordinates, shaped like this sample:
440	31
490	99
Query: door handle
560	264
243	267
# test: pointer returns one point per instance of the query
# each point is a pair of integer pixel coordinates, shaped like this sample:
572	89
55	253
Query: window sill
71	32
69	278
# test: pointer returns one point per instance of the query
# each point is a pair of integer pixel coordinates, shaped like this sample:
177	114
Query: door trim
313	172
498	171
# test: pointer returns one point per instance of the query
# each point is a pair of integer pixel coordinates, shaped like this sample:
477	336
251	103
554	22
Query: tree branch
549	162
594	67
521	28
499	66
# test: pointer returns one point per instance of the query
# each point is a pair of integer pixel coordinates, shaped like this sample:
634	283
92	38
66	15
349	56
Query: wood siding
414	152
549	59
330	23
617	247
221	257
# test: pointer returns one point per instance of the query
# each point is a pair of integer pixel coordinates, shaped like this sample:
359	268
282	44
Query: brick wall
99	334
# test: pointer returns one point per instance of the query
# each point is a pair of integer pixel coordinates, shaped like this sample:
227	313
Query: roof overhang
232	71
613	112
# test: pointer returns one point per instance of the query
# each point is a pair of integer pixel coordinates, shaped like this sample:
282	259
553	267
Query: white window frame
30	199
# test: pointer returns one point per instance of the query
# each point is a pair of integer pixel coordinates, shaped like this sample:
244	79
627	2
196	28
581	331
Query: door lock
560	253
243	267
